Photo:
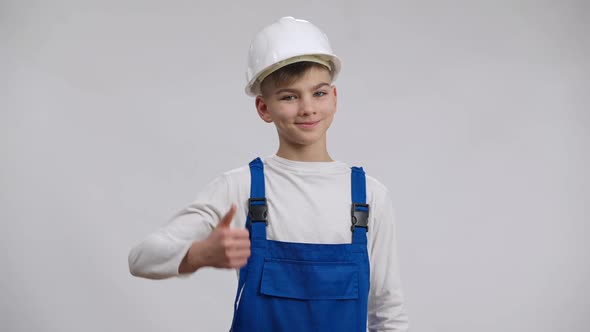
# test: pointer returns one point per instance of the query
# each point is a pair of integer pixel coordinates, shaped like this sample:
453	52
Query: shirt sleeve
159	255
386	310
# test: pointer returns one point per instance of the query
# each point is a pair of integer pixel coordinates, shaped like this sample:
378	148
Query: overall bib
299	286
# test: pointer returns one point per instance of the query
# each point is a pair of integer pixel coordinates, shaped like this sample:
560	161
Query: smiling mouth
306	125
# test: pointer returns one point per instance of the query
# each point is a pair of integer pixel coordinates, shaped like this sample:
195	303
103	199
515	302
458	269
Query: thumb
226	220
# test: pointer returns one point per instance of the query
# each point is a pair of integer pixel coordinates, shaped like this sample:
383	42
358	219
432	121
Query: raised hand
225	247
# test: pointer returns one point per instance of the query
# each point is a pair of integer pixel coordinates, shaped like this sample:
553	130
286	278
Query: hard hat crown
286	41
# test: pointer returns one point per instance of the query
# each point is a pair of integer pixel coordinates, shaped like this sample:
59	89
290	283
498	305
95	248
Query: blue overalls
299	286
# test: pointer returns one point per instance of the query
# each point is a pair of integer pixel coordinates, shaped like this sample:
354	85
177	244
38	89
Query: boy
313	238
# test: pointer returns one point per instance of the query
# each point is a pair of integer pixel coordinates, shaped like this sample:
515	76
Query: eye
288	97
320	93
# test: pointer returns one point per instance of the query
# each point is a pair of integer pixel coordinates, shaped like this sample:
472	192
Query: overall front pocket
308	280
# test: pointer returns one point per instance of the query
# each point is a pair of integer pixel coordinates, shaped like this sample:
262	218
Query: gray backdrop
474	113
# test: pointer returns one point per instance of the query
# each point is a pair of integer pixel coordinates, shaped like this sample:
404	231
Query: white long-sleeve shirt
308	202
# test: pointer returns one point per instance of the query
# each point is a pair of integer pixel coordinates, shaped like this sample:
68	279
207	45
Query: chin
308	140
304	138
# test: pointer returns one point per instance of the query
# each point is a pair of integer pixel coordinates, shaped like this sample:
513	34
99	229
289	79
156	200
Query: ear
262	109
335	92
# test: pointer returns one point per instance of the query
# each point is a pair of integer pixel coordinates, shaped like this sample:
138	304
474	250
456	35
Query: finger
238	253
226	220
238	263
233	243
240	246
240	234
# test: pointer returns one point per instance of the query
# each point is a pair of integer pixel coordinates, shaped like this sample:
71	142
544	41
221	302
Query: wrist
194	258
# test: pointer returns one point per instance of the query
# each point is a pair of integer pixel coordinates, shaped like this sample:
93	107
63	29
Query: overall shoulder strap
257	208
359	211
255	220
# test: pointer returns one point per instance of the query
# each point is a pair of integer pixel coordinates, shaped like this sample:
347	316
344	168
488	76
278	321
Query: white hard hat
284	42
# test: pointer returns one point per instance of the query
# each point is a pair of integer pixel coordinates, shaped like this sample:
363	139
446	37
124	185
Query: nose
306	106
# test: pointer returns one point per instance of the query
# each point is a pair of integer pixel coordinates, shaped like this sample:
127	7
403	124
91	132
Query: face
303	111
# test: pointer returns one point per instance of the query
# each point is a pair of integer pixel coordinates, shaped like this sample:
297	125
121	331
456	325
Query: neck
297	152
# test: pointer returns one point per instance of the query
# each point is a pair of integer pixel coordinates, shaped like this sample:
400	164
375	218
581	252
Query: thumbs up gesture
229	247
225	247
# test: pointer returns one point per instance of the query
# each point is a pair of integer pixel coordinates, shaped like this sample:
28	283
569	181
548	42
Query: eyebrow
315	87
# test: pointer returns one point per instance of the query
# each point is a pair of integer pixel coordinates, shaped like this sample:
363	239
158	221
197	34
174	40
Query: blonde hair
287	75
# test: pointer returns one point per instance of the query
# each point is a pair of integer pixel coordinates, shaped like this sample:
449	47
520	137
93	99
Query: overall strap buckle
257	210
359	215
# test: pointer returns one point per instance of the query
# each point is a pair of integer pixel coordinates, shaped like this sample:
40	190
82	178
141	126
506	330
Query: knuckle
225	243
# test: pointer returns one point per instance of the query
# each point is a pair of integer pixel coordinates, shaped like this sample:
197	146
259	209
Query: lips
307	124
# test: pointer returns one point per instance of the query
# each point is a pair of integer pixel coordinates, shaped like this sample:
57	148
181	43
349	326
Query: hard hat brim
329	60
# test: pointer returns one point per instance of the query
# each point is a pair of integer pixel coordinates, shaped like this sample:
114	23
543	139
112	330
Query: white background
475	114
